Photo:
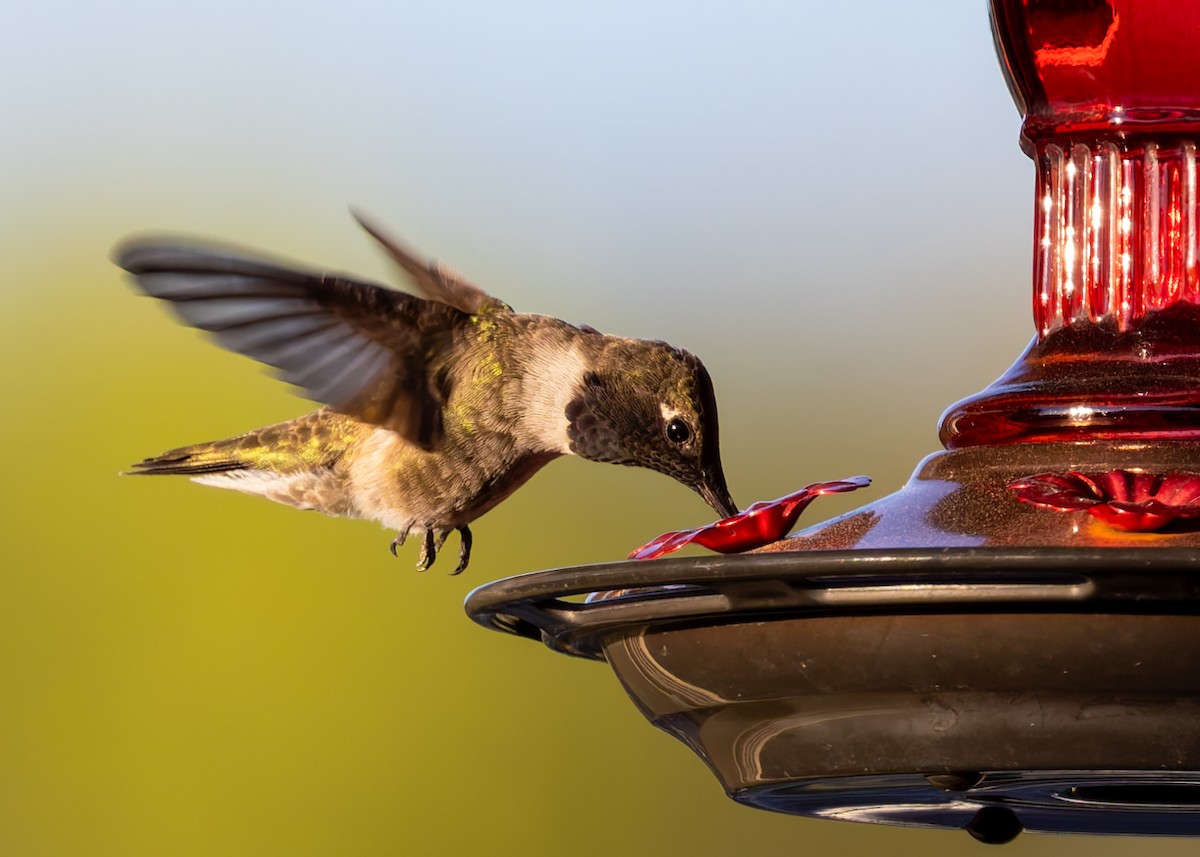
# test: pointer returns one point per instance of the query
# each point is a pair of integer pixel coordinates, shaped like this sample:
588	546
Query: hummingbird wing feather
435	280
358	347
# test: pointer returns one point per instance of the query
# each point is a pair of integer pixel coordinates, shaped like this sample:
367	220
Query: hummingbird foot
464	549
429	551
401	537
431	544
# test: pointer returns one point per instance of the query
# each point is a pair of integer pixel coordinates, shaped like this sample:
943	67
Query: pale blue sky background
826	201
802	193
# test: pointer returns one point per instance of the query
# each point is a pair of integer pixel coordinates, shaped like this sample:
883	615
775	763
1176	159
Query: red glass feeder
1010	641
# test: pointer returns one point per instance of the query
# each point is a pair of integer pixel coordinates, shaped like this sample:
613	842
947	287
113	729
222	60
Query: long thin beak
714	492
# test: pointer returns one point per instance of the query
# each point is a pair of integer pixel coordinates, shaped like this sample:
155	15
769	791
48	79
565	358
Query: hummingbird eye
678	431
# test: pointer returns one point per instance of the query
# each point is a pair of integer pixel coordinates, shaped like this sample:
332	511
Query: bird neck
551	379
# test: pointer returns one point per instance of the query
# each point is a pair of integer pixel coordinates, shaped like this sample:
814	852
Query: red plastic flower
1123	499
762	523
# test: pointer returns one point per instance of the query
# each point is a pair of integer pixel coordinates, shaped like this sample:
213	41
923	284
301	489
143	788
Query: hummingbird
436	406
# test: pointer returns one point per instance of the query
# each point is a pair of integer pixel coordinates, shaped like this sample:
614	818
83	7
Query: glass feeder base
996	806
991	689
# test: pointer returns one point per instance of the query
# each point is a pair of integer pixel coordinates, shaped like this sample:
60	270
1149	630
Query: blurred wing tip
152	254
364	220
141	253
399	253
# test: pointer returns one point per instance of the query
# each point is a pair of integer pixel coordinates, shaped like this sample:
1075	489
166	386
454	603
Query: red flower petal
1131	521
1123	499
760	524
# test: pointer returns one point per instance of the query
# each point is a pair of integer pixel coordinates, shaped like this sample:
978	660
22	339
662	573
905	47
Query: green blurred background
825	201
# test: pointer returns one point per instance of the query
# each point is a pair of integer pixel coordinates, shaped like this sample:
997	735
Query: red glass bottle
1110	93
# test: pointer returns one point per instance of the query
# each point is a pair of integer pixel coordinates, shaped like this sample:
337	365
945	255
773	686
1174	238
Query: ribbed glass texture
1115	233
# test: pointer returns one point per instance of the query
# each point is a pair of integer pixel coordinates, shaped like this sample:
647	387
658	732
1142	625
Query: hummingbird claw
401	537
428	551
432	542
464	550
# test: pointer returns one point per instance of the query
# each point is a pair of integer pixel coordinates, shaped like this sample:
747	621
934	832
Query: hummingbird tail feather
266	466
306	443
191	461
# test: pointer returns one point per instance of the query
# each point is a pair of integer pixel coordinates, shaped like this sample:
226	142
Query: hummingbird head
651	405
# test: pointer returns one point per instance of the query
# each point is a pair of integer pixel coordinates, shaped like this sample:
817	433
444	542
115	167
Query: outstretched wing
358	347
435	280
